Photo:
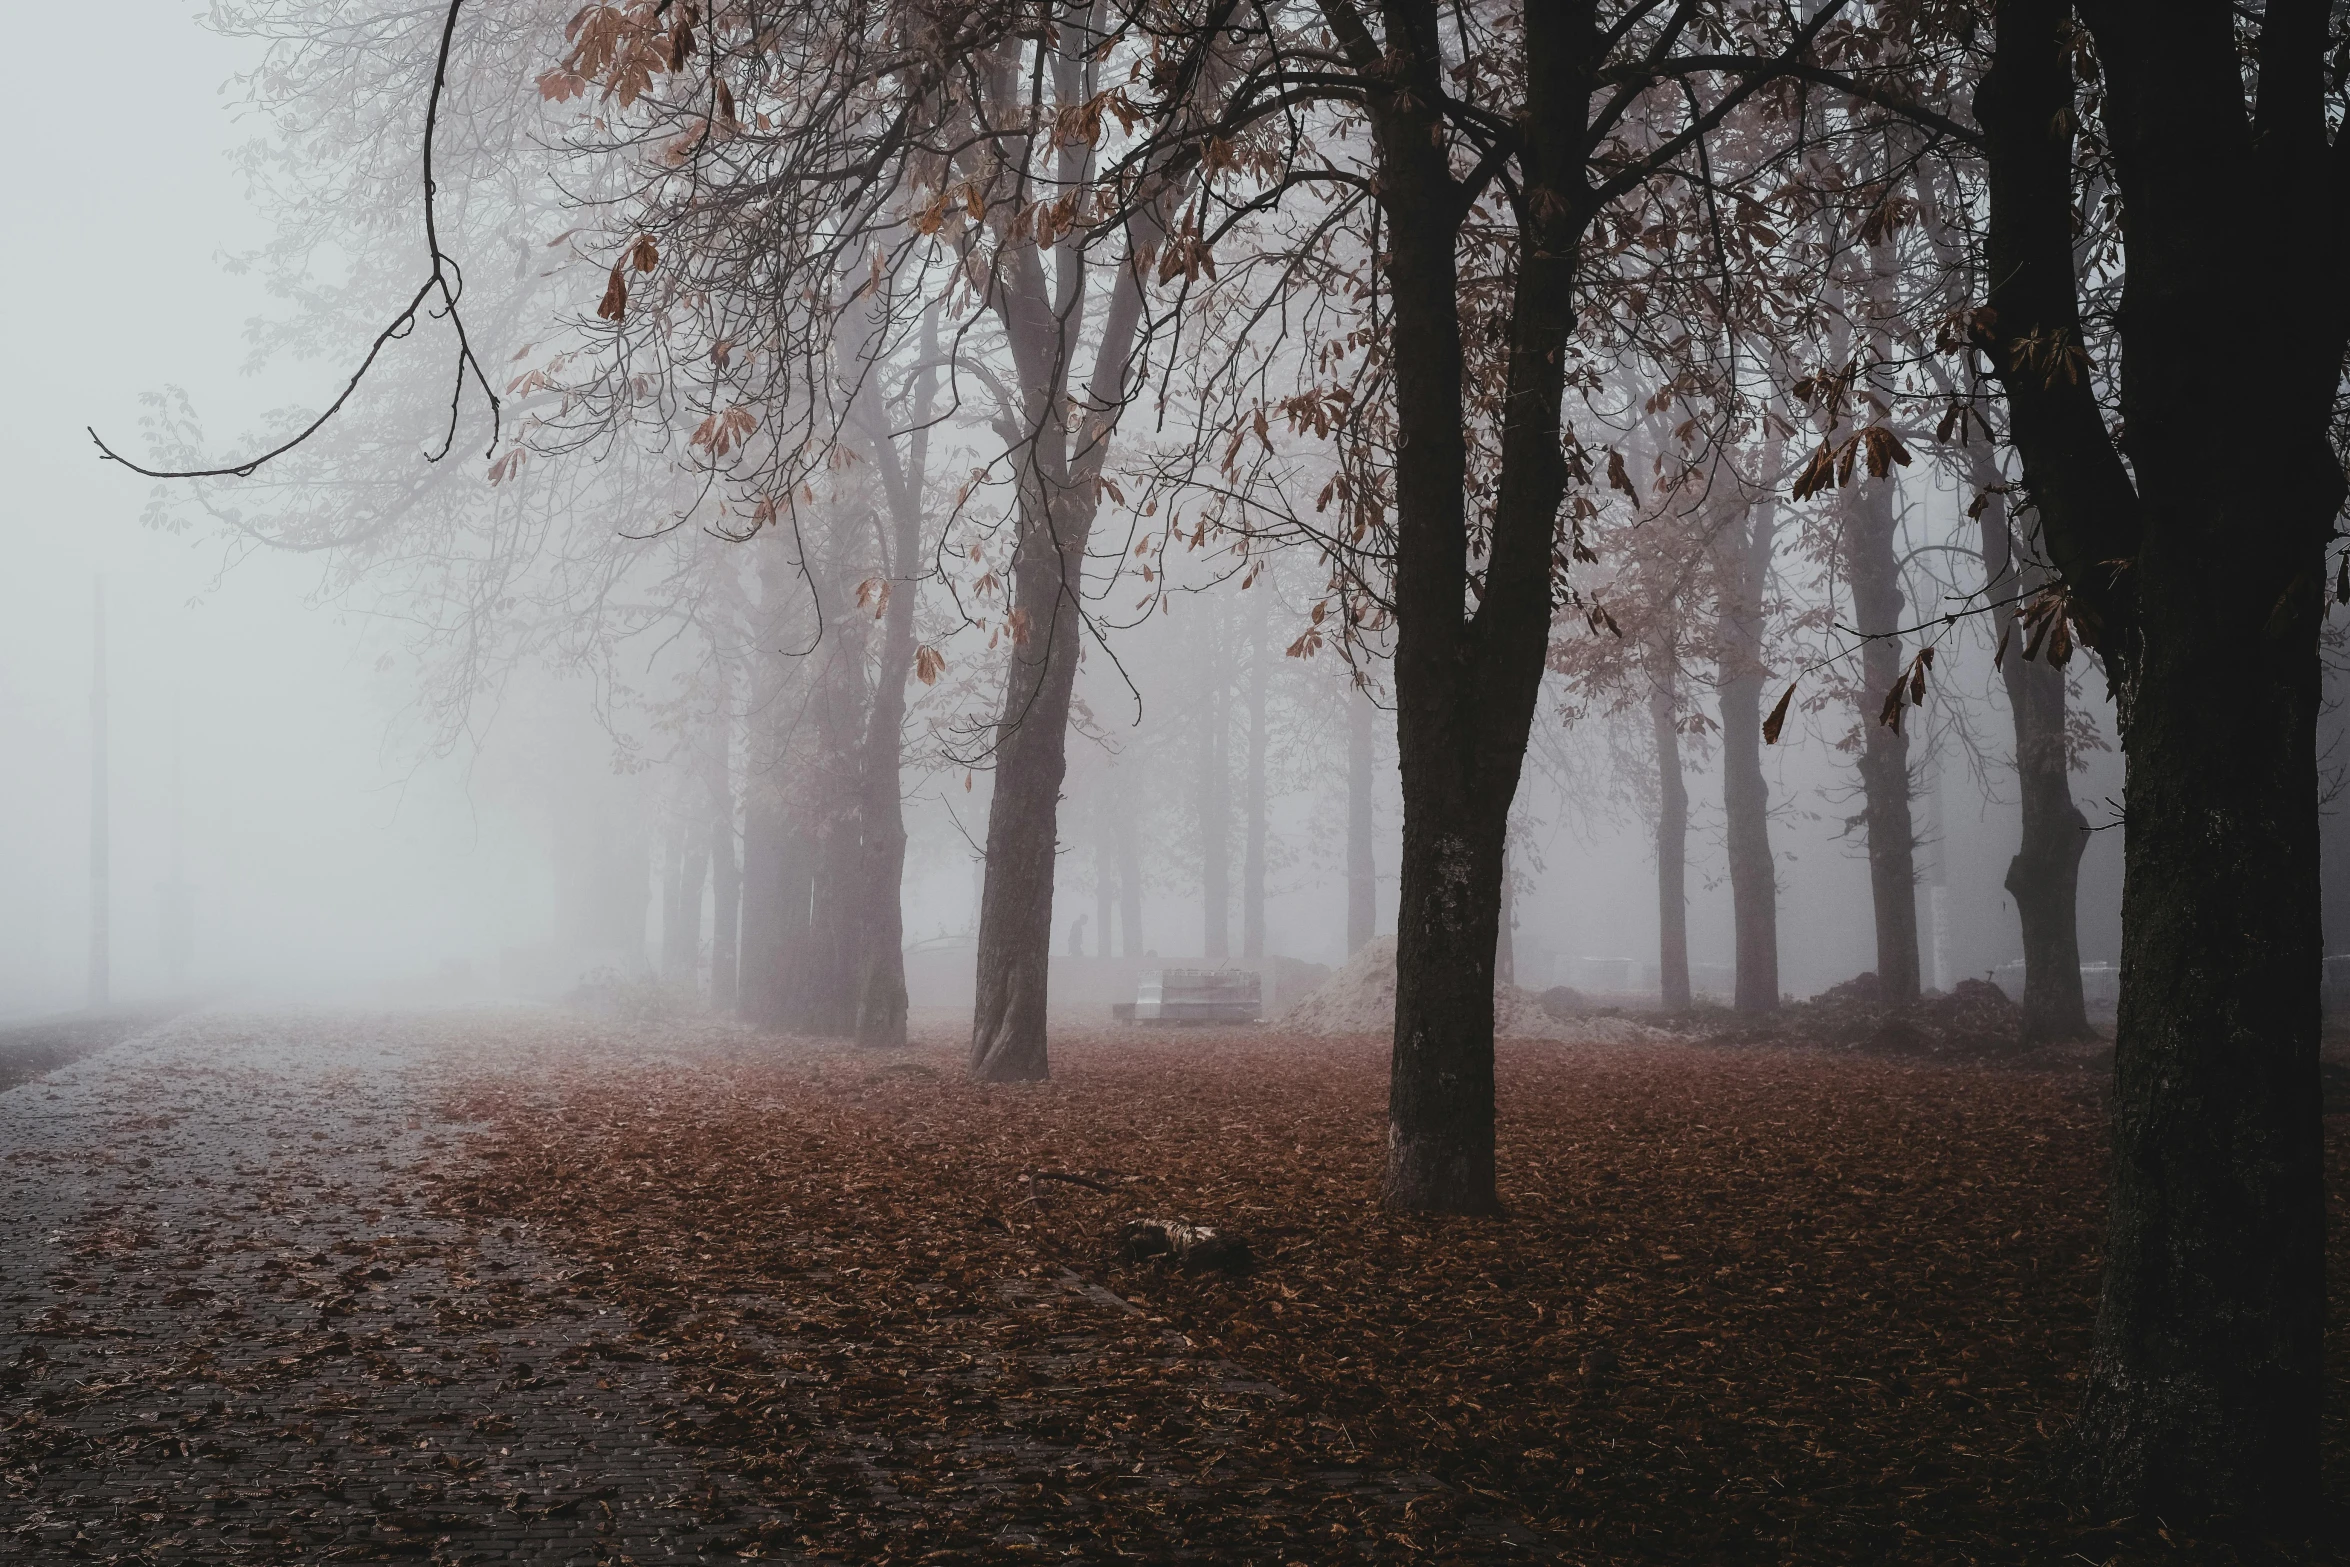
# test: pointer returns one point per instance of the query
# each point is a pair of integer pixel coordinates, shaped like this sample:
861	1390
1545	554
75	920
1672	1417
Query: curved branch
446	278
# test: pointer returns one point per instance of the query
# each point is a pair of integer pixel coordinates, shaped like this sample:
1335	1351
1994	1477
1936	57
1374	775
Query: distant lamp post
101	913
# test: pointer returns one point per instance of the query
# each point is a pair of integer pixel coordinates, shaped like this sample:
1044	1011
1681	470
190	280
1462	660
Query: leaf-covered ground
529	1287
1747	1305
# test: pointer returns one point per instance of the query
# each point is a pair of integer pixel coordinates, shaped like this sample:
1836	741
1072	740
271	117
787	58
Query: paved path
230	1331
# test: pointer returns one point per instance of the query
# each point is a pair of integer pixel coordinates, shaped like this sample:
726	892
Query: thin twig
446	278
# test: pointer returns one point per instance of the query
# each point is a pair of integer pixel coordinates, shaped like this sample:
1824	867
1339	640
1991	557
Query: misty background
265	735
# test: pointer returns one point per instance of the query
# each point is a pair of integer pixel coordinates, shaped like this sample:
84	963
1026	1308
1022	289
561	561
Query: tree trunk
778	882
1129	880
1505	940
825	1003
1215	862
1884	760
1672	828
1105	892
2207	1369
726	899
1362	885
1746	796
2044	875
1016	905
725	864
695	881
1252	876
677	956
2205	1382
1060	470
2333	762
1466	681
828	777
881	957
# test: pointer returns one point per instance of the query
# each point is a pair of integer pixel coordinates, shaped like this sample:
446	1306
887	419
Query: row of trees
1540	333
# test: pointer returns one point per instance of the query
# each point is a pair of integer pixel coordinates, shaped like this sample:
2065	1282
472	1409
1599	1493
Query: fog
902	781
265	732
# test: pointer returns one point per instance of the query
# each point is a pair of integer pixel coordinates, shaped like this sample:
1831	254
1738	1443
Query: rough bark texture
2333	765
1362	883
881	957
1746	796
1016	905
1466	680
1058	468
1672	828
1875	573
2205	1377
1505	940
2044	875
829	782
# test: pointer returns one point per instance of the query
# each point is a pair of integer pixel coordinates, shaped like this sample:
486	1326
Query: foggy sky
329	859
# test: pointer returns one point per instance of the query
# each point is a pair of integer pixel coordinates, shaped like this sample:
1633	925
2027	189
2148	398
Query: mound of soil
1974	1021
1360	999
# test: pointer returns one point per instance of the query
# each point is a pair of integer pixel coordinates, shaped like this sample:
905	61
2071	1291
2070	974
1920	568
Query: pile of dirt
1974	1021
1360	999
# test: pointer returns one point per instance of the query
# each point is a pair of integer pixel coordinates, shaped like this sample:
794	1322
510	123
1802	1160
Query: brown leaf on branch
1884	450
1618	479
615	303
1817	474
1778	719
1909	689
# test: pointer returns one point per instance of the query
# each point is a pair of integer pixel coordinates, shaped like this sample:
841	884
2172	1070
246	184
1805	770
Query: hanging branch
446	279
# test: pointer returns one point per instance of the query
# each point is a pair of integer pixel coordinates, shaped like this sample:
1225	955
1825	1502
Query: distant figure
1077	938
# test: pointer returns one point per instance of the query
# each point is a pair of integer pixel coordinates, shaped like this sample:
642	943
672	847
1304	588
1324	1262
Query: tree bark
2200	587
1252	873
695	881
1672	827
1746	796
829	779
1129	879
1215	856
1505	941
1059	470
726	910
777	885
2333	763
1466	681
2044	875
677	945
1362	884
1875	574
1105	890
881	955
